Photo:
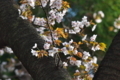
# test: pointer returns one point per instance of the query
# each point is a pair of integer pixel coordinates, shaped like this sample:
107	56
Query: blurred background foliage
110	8
105	30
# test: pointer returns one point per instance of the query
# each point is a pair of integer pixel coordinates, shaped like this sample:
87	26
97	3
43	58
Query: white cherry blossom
85	55
65	64
71	48
44	2
85	22
98	16
74	24
94	27
56	4
35	46
19	72
93	38
8	50
117	23
31	3
41	29
72	32
1	52
40	21
23	7
78	63
85	36
51	53
77	29
59	17
46	46
34	52
101	14
52	14
94	48
88	66
75	52
94	59
65	51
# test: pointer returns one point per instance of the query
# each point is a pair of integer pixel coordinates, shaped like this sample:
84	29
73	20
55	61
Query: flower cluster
10	64
54	13
60	40
98	16
77	26
117	24
5	50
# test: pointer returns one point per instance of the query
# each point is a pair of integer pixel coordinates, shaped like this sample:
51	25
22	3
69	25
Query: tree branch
109	68
20	35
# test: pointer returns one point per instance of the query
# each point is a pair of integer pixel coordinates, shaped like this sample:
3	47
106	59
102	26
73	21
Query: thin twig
57	54
47	23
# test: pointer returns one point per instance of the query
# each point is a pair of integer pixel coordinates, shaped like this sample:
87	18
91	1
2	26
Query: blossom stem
57	57
48	23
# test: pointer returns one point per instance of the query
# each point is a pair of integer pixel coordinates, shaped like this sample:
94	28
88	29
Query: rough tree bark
109	68
20	35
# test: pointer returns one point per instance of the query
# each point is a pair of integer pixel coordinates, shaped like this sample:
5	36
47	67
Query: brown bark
20	35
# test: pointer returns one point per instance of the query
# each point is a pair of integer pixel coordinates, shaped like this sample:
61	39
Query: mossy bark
20	35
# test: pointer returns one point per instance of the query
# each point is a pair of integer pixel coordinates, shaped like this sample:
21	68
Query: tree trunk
109	68
20	35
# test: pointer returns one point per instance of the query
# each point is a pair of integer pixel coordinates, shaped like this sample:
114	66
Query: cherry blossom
47	30
56	4
44	2
46	46
31	3
51	53
34	52
35	45
93	38
94	27
98	16
85	36
117	23
85	55
65	64
40	21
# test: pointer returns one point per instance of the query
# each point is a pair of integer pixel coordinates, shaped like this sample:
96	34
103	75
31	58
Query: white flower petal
94	27
35	45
